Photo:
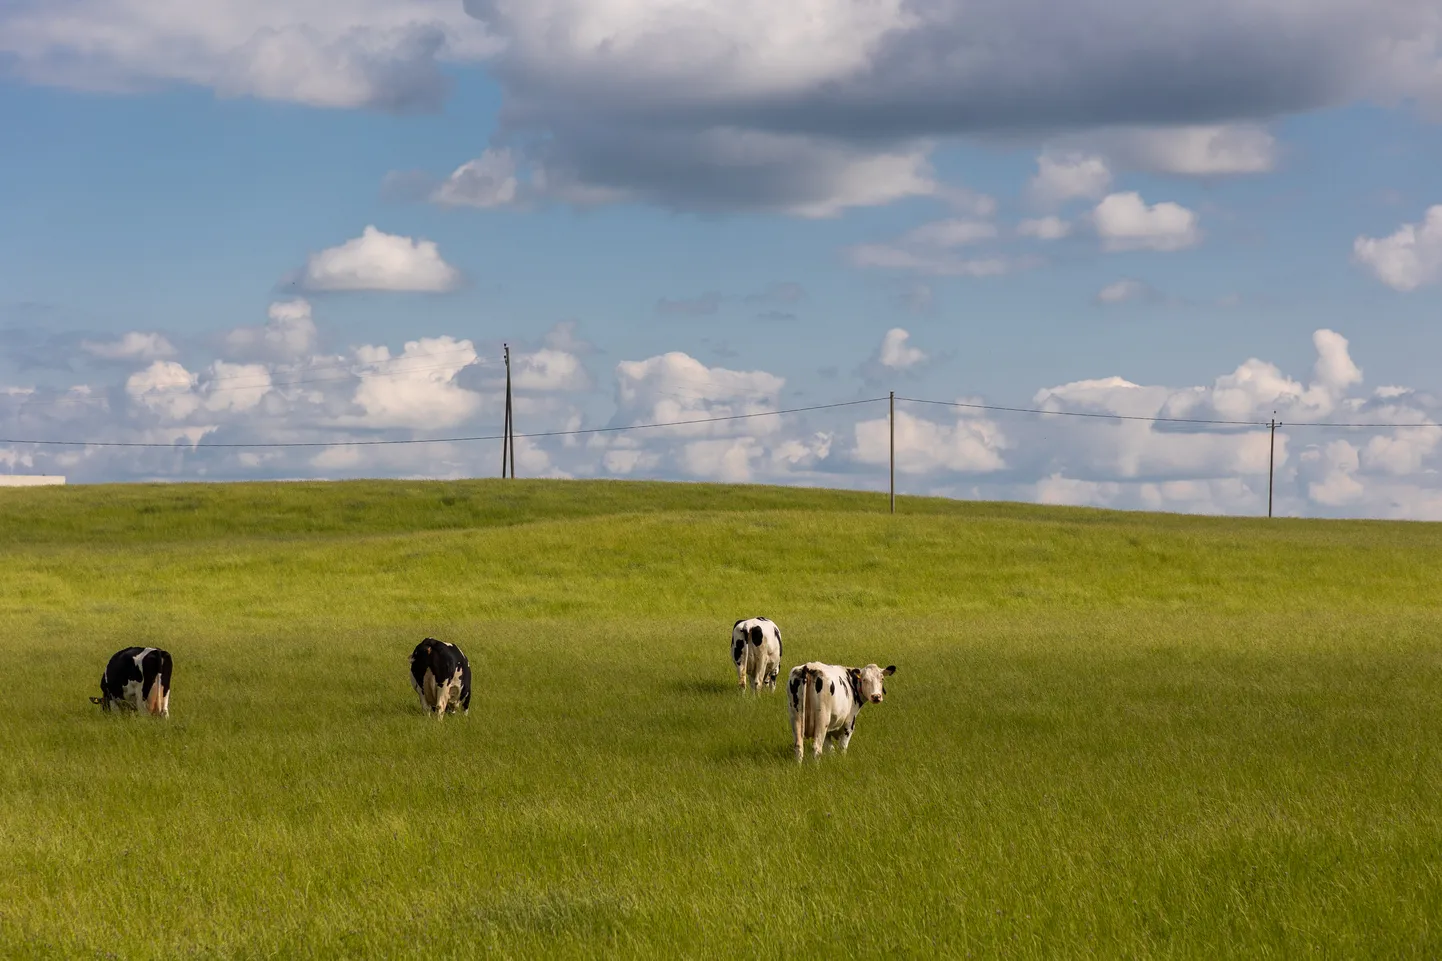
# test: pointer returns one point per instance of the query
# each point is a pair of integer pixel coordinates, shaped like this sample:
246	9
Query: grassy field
1109	735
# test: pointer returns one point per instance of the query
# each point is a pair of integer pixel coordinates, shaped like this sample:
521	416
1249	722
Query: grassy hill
1110	734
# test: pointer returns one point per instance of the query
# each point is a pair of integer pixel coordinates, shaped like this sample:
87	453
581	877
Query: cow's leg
798	719
760	676
844	738
741	673
823	720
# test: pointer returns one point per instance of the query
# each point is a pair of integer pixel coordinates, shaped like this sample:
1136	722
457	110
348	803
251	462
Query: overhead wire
386	442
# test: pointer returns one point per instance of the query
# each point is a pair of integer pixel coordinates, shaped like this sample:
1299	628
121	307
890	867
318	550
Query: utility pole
1271	459
510	414
508	450
891	419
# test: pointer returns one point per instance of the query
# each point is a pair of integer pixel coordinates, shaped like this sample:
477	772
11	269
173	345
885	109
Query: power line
1078	413
1166	420
444	440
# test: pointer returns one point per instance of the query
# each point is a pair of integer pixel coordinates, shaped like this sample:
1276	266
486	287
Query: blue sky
227	226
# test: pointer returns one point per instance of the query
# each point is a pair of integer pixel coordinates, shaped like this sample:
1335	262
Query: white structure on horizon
30	480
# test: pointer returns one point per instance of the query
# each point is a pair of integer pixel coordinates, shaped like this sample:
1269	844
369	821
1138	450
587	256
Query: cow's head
868	682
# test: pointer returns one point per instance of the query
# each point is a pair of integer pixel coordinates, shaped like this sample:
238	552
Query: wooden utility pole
891	419
508	449
1271	459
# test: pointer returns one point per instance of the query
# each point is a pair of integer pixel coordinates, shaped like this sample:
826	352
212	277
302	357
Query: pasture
1109	735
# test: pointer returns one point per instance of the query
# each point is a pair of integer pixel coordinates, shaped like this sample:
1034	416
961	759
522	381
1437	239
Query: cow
137	677
826	698
441	676
756	652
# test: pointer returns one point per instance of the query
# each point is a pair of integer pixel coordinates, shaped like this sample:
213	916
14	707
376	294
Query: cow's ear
854	673
890	670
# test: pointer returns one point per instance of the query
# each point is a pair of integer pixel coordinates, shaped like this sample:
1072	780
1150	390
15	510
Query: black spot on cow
818	684
737	646
833	687
757	635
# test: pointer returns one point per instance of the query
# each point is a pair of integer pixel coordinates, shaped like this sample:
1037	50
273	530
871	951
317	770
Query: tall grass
1110	735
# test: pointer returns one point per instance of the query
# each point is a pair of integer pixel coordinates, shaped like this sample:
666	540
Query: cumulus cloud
368	53
289	332
895	353
440	385
488	181
1124	221
550	369
132	346
379	261
1407	259
968	445
417	388
1067	176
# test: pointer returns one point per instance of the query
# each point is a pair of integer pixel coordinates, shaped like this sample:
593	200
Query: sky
254	223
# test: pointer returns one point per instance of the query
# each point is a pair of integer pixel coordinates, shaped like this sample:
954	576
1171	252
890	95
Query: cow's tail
803	711
429	691
157	696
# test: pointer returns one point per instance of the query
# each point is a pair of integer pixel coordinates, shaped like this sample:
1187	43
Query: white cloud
1067	176
1407	259
290	332
417	388
165	388
440	385
382	54
808	107
677	387
1125	222
488	181
381	261
549	369
969	445
1335	370
134	345
895	353
1044	228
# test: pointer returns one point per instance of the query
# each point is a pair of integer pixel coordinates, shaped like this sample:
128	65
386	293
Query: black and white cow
756	652
137	677
826	698
441	676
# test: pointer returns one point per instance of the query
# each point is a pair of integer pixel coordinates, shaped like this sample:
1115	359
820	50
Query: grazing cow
441	676
756	652
827	697
136	677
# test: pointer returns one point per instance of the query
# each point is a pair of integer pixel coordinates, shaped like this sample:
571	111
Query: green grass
1110	735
